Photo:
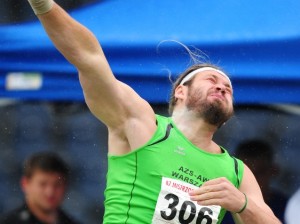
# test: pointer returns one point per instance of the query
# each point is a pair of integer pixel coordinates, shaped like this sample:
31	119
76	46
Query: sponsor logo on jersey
180	150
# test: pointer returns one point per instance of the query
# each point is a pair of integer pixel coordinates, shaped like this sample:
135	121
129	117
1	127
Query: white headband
193	73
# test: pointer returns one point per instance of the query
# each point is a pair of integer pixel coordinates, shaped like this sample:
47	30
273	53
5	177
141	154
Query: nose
221	88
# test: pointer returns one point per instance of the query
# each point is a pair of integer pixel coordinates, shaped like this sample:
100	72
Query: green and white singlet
151	184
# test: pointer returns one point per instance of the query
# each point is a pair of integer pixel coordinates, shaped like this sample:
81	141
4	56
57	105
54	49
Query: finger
222	182
207	196
210	202
206	189
215	181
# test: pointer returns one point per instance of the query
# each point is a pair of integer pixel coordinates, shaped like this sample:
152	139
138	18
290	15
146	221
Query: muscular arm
257	211
113	102
221	192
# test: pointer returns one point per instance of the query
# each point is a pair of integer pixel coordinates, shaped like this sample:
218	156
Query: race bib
174	205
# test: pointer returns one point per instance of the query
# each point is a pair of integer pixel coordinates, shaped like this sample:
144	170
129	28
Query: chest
179	159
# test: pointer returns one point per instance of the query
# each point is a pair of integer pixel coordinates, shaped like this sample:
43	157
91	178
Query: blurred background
42	106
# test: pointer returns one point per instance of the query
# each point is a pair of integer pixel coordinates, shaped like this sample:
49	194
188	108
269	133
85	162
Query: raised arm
113	102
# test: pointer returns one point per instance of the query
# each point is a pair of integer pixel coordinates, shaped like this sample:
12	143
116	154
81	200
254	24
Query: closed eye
229	90
212	79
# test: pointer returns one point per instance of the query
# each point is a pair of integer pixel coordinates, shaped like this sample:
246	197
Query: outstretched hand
219	192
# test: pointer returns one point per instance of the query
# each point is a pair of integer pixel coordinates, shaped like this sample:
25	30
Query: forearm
248	207
253	214
78	45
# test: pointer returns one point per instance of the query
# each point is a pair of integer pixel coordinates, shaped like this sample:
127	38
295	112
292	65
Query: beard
213	112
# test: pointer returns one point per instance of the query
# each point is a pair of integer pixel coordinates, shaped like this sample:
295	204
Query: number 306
186	204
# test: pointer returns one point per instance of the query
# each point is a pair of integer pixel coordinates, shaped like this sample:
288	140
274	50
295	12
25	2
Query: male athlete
161	170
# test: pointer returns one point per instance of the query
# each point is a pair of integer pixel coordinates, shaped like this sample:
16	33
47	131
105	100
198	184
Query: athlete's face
210	96
44	189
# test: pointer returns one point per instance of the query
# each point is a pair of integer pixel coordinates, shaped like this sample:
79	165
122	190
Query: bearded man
160	169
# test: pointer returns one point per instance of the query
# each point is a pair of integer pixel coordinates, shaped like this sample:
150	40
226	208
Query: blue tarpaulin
256	42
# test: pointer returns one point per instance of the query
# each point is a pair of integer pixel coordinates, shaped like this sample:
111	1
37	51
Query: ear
24	183
180	92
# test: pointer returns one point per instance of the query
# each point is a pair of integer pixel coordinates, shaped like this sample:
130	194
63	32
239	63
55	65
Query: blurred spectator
259	157
44	183
292	213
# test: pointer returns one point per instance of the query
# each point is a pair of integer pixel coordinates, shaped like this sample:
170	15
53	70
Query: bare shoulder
129	118
132	120
134	132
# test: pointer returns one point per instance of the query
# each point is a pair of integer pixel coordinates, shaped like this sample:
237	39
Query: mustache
218	93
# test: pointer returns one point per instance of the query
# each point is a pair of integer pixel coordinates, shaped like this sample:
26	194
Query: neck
43	215
199	132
